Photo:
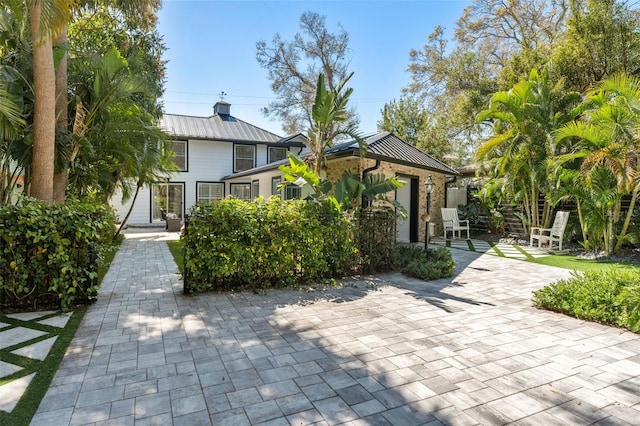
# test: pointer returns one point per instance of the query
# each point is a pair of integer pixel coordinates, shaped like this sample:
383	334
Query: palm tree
46	18
607	142
329	113
153	163
143	13
518	156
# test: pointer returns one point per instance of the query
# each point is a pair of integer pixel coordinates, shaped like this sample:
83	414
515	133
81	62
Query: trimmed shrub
50	254
273	243
376	230
609	296
426	265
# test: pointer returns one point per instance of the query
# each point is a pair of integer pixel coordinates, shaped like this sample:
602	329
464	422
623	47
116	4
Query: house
222	155
388	154
207	149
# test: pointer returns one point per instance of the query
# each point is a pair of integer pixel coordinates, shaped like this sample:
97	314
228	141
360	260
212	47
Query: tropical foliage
71	110
605	140
608	296
330	117
519	158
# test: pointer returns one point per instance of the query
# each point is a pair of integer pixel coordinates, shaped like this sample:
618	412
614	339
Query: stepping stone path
512	251
25	339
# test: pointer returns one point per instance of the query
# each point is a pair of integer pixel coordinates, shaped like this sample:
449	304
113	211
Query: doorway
407	229
167	198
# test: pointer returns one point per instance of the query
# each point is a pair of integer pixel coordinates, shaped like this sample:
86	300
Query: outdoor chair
553	234
452	223
173	222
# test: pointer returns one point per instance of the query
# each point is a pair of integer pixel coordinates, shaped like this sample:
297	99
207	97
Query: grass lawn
45	369
176	247
584	265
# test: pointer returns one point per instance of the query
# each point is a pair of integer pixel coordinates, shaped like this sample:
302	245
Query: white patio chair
452	223
553	234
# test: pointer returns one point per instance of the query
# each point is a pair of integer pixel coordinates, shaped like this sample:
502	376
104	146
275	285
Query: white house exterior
223	156
207	149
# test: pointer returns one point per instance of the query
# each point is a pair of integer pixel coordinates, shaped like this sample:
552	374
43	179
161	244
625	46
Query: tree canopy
103	75
293	67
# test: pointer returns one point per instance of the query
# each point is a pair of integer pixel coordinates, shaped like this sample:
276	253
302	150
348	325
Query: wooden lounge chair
553	234
452	223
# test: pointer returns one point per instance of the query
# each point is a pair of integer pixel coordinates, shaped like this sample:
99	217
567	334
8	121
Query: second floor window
277	153
179	149
244	157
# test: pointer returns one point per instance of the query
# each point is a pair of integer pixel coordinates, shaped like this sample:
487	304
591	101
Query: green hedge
262	244
609	296
50	254
426	265
376	231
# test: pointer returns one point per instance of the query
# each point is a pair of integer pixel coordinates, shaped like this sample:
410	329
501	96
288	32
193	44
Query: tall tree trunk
62	117
44	118
139	185
627	220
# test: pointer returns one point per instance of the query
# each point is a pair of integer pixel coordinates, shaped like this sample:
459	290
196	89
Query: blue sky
212	48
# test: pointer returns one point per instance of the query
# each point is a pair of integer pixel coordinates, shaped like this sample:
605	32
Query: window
255	188
241	191
292	192
277	153
179	149
274	185
244	157
210	191
166	198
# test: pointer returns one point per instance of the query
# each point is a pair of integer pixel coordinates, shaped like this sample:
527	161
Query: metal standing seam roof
217	127
384	146
387	146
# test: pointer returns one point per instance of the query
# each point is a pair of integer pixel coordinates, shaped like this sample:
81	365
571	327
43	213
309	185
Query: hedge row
50	254
262	244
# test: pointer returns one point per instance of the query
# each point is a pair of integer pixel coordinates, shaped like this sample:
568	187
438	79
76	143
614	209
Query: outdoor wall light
428	188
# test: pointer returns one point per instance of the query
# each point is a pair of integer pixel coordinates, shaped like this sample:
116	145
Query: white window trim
186	154
235	157
270	160
199	198
233	185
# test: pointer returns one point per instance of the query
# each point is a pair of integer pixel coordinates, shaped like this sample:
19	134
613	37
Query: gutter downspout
446	187
365	172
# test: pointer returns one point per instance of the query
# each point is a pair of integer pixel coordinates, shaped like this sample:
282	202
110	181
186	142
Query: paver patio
389	350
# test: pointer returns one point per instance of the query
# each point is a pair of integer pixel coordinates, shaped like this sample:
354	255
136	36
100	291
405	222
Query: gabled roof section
298	138
386	146
383	146
220	127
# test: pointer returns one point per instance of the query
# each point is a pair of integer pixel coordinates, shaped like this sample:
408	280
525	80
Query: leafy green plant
266	243
427	265
376	231
606	296
50	254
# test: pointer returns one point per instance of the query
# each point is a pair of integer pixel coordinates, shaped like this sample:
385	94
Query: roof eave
354	152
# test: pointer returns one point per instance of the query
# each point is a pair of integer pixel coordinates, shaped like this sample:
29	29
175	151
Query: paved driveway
389	350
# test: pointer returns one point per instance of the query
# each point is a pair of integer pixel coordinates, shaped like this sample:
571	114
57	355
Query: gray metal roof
217	127
388	147
384	146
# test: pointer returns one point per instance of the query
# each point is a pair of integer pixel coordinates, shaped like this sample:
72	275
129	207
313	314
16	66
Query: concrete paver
382	350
